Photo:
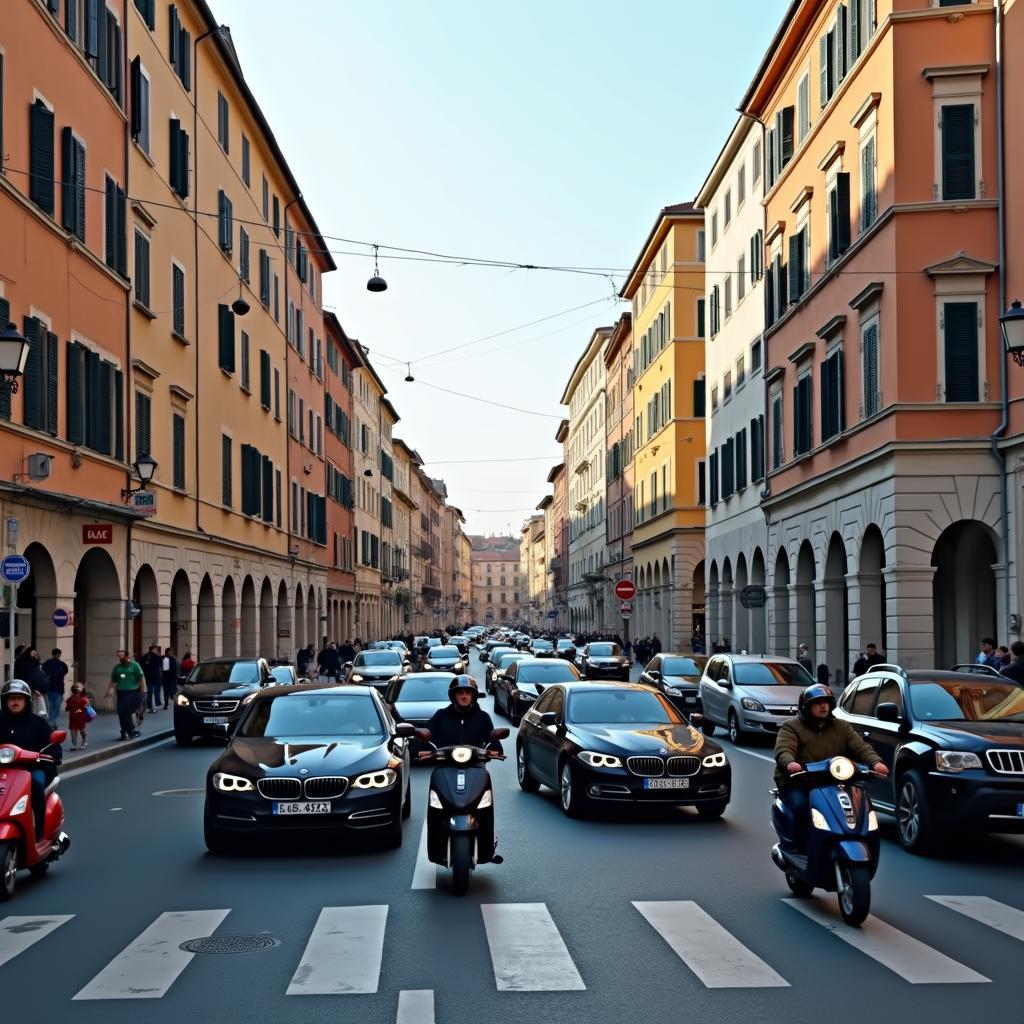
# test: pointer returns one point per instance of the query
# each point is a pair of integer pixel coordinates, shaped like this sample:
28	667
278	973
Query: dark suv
215	694
954	744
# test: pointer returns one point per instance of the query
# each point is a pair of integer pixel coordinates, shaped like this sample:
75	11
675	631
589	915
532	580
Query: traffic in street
587	918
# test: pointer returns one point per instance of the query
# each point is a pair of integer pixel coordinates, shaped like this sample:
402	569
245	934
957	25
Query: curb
118	748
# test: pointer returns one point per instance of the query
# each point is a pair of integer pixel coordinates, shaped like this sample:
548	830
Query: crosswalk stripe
718	958
901	953
343	955
425	875
148	967
1008	920
416	1006
18	933
527	951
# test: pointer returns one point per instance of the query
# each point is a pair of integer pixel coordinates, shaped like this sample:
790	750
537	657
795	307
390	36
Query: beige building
498	585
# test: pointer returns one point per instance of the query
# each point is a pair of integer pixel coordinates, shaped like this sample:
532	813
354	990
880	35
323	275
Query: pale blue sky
535	132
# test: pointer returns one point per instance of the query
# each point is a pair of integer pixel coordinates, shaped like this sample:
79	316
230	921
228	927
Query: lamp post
1011	323
13	356
144	467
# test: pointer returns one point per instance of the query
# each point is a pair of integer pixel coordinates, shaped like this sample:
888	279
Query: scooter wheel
798	887
40	869
8	870
854	892
462	848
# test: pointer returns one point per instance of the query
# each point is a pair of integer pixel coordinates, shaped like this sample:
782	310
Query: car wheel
712	811
8	870
854	892
735	732
569	795
913	817
798	887
527	783
407	803
183	739
218	842
707	726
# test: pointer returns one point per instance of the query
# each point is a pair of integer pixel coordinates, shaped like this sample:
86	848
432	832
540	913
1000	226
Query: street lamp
1011	323
13	356
376	283
144	468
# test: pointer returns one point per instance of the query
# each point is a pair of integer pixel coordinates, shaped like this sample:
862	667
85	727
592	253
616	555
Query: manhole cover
179	792
230	944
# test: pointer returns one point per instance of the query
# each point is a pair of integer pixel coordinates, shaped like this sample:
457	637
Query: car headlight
596	760
486	800
956	760
355	679
6	755
435	801
231	783
181	700
375	780
19	807
751	705
673	691
818	820
872	821
250	698
715	761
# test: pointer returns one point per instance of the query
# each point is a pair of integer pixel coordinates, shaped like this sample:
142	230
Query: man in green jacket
815	735
130	680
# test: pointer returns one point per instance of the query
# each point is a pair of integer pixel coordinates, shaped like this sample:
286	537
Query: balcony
555	564
582	466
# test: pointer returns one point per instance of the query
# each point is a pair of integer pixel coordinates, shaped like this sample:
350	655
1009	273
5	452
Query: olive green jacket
816	740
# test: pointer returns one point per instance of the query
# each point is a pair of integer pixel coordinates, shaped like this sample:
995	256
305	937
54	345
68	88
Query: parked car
376	668
677	676
602	659
216	693
518	685
596	743
310	758
565	648
954	744
747	693
287	675
500	660
446	658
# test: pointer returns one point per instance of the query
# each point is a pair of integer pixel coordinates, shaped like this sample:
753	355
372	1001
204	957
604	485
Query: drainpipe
129	408
1004	498
287	382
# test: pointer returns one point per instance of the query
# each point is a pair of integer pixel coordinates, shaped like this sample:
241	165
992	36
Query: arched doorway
284	622
714	604
871	583
758	618
837	615
248	627
741	642
782	640
207	641
181	613
99	617
725	603
37	600
964	592
146	598
805	625
229	621
699	625
268	624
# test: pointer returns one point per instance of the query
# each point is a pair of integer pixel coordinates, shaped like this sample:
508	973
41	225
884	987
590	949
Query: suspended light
409	378
240	307
376	283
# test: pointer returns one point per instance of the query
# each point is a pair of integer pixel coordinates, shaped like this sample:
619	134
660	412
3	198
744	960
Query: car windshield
425	688
374	658
433	641
441	653
498	652
620	707
955	701
226	672
508	658
604	650
770	673
552	671
564	645
459	640
542	645
283	674
312	714
680	667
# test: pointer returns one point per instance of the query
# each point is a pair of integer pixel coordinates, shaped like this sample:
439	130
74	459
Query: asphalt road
555	933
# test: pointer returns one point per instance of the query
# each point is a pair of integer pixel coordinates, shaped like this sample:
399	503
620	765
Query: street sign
98	533
144	503
552	614
625	590
14	569
754	596
626	609
61	617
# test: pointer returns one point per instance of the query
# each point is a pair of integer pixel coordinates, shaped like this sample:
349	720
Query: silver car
748	693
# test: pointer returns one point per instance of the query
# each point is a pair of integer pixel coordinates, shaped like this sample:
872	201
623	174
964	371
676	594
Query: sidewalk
103	732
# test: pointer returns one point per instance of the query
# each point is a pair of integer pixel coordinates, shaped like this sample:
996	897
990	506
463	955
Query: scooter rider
463	721
814	735
19	726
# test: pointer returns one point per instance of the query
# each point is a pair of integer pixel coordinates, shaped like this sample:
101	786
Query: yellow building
666	287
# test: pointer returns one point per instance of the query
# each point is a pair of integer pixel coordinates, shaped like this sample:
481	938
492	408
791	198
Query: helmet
812	694
16	688
463	682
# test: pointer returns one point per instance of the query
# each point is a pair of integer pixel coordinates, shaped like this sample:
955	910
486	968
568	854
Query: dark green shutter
855	29
841	42
5	388
264	378
50	425
135	90
178	442
226	338
786	116
268	489
174	38
958	151
826	399
796	272
68	203
32	382
91	388
121	228
110	221
961	344
143	424
41	156
869	359
102	43
225	469
71	20
92	28
823	94
105	408
841	204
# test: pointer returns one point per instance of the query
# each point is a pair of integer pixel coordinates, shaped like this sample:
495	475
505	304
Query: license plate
666	783
689	700
304	807
215	720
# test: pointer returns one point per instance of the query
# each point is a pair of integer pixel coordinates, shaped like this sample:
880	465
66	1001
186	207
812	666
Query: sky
543	132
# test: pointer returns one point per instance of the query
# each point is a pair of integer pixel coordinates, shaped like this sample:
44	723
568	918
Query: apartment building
498	584
735	533
390	617
368	393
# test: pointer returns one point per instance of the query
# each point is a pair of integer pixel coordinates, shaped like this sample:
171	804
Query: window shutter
243	254
265	379
225	469
826	400
769	299
264	277
135	88
51	383
226	338
32	381
71	21
701	312
961	345
110	222
868	201
770	156
105	407
854	30
781	271
869	357
958	151
796	255
102	43
178	425
41	156
174	38
841	205
840	390
75	393
143	424
185	49
786	134
267	489
842	42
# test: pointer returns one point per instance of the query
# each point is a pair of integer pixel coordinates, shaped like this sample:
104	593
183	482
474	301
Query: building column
910	611
831	629
803	613
725	610
49	636
711	620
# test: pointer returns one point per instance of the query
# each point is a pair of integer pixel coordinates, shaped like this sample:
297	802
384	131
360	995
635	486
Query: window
757	448
701	318
960	341
102	45
246	163
265	379
223	123
756	257
741	459
699	396
833	412
225	222
178	176
780	144
741	278
277	394
245	360
727	386
225	469
143	424
713	474
755	356
803	108
827	67
727	216
178	451
177	300
839	217
714	397
728	468
41	175
714	229
140	105
264	278
755	164
266	199
180	49
141	281
146	8
741	372
802	416
700	247
225	338
728	297
778	434
243	255
73	182
958	175
277	217
702	492
95	395
716	323
872	398
741	186
115	227
798	270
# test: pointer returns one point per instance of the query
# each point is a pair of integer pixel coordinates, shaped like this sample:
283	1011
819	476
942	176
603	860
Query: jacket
449	728
28	731
817	740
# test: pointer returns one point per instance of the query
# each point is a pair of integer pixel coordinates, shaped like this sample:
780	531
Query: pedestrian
860	666
627	649
328	661
987	654
1015	670
803	656
169	676
55	671
152	667
1003	653
304	659
655	644
77	706
187	664
130	681
823	675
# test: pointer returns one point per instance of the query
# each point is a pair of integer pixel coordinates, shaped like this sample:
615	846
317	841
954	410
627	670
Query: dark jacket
816	740
449	728
55	670
329	661
1015	670
28	731
152	668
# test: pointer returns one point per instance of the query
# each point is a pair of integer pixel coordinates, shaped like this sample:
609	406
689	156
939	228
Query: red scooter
19	845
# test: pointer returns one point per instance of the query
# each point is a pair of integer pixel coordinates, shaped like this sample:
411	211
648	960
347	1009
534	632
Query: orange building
620	442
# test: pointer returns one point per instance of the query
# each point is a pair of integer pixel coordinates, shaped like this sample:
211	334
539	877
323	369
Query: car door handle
867	734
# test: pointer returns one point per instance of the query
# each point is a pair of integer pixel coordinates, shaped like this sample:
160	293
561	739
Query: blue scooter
839	850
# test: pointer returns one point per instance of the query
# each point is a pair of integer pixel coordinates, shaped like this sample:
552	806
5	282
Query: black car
501	658
310	758
215	695
520	683
376	668
954	744
485	652
462	642
677	676
598	743
416	697
446	658
565	649
542	649
603	660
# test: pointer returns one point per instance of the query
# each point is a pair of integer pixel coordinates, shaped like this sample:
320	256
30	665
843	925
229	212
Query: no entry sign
625	590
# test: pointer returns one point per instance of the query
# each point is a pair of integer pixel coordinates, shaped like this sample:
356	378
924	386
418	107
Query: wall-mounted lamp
144	468
13	356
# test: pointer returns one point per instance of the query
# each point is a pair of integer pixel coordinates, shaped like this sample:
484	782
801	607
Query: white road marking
717	957
18	933
901	953
416	1006
1008	920
425	875
343	954
71	772
527	951
150	965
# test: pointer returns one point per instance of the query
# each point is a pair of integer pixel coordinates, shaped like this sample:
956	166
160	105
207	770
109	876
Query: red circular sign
625	590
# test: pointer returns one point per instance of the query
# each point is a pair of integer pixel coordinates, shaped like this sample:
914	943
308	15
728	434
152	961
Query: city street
578	924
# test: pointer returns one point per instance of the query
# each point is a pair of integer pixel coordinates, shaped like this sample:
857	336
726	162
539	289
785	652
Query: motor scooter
460	812
839	851
20	847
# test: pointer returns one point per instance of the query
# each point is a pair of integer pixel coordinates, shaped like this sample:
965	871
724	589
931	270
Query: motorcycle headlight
956	760
231	783
462	755
596	760
6	755
842	768
181	700
752	705
673	691
375	780
486	800
19	807
435	801
818	820
715	761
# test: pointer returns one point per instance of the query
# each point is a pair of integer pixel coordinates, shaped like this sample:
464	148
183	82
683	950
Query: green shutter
855	29
958	177
264	378
104	412
143	425
225	469
118	415
5	388
226	338
41	156
121	229
33	380
841	205
52	367
178	444
961	345
870	370
110	222
268	489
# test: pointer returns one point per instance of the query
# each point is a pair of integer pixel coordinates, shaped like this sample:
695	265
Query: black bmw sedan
376	668
215	695
310	758
677	676
599	743
446	658
602	660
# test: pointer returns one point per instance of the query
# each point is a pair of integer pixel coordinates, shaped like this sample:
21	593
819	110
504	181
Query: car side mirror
348	664
405	729
725	684
654	673
696	720
887	712
548	719
58	736
500	734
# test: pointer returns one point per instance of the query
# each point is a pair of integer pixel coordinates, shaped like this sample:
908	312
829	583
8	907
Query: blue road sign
14	569
60	617
552	614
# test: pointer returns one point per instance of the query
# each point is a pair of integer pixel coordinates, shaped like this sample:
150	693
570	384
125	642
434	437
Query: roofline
731	146
554	471
663	218
585	359
369	366
394	412
414	456
563	431
351	345
623	325
766	60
